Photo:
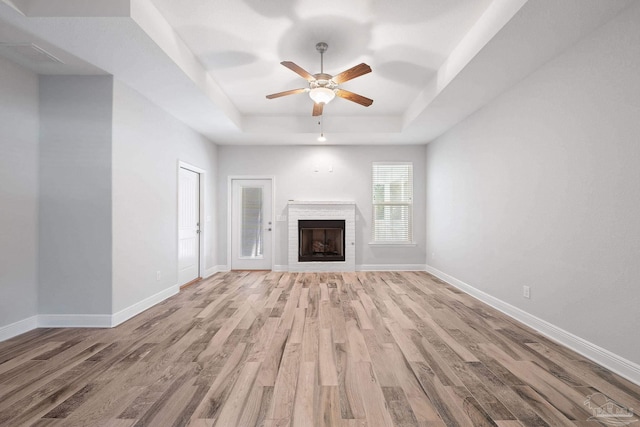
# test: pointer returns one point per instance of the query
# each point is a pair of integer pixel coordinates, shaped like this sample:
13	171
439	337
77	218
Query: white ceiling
210	63
242	44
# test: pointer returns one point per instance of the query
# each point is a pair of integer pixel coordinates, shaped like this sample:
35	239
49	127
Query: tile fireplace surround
311	210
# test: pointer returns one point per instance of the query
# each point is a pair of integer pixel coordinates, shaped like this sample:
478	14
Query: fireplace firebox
321	240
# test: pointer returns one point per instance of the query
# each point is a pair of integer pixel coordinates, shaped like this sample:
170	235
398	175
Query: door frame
230	180
203	227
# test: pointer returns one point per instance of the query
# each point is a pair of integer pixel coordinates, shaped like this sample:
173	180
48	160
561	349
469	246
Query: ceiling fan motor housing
323	80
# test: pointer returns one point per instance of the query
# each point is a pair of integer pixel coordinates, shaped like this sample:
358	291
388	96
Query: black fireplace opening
320	240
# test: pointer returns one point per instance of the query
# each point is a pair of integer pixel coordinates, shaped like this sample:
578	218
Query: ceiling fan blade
317	108
299	70
286	92
358	99
352	73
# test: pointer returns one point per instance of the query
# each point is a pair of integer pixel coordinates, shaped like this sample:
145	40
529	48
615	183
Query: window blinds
392	202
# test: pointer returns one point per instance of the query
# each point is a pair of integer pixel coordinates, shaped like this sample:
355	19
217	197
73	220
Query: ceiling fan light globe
321	95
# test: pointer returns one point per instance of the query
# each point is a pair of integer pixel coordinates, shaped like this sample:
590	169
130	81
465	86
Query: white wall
295	179
147	145
18	193
542	188
89	200
75	195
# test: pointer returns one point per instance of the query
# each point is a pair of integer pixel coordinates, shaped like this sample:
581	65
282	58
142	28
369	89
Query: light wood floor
279	349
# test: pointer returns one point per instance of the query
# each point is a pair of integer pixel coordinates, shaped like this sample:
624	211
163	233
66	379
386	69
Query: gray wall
18	193
542	188
147	145
89	196
75	195
295	178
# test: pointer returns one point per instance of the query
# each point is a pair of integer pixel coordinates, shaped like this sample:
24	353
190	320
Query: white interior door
251	224
188	226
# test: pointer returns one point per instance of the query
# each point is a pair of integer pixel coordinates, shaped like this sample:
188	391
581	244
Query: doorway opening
190	206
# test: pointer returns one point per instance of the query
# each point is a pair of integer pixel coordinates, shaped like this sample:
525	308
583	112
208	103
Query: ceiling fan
324	87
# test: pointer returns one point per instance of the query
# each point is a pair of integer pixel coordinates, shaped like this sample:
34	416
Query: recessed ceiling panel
241	44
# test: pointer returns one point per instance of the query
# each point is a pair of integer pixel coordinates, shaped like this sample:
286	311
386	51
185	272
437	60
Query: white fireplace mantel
314	210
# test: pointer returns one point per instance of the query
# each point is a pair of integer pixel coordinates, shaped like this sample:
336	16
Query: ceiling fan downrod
322	48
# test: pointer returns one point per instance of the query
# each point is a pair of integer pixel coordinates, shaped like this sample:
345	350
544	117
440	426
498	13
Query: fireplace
321	240
333	214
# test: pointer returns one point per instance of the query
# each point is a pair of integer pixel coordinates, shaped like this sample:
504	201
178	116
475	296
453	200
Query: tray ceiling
210	63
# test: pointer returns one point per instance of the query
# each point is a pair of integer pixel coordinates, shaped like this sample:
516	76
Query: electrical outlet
526	292
158	275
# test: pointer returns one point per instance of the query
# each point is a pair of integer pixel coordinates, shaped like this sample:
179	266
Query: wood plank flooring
287	349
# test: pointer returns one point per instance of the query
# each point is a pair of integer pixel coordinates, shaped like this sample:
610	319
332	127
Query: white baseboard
222	268
362	267
139	307
84	320
17	328
604	357
213	270
209	272
74	321
372	267
391	267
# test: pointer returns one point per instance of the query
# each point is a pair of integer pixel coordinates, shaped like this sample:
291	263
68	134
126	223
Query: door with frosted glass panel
251	224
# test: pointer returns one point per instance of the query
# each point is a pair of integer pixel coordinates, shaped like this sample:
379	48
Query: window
392	194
